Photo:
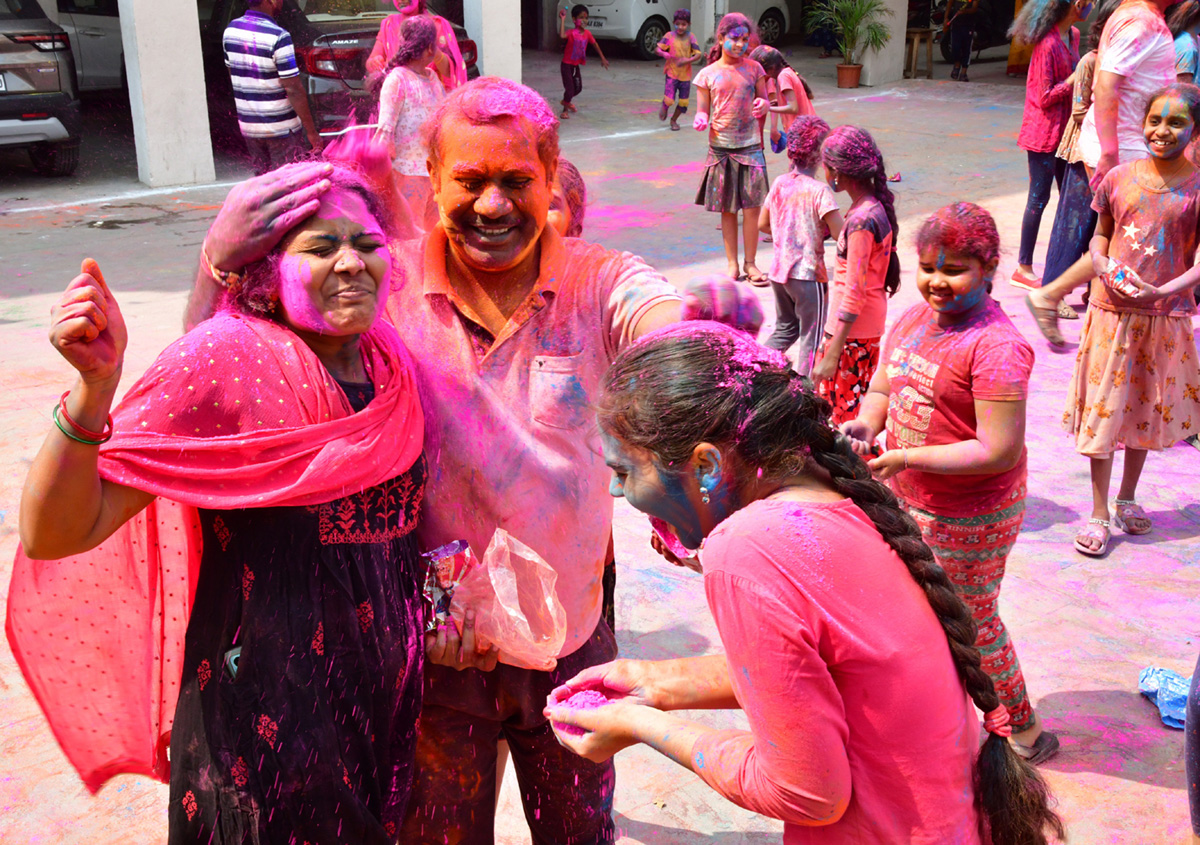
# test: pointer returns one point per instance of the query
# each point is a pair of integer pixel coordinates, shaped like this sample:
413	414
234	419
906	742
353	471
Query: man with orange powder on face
512	328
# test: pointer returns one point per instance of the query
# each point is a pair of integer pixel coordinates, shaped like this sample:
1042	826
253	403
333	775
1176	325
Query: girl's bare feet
733	272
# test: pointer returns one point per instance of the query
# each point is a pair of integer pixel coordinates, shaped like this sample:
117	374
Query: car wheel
55	159
770	27
648	36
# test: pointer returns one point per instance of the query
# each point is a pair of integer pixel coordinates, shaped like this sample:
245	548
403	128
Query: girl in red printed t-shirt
952	390
575	54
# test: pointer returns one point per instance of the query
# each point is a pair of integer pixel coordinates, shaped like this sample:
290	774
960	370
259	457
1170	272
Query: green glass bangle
71	434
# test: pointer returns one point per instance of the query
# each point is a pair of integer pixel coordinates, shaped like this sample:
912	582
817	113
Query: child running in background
731	95
800	211
575	54
681	51
952	390
1137	381
868	270
787	91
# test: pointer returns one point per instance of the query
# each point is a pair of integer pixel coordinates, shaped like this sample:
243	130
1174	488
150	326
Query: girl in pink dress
1137	382
789	94
409	97
951	391
447	61
845	643
730	98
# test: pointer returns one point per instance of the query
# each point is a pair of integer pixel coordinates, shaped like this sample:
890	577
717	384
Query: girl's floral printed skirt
1136	383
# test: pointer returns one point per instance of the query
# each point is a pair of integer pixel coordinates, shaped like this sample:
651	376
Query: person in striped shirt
272	107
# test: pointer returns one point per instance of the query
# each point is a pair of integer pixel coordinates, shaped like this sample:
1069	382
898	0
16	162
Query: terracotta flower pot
848	75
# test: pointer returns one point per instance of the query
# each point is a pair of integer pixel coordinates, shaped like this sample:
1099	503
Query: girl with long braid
845	643
868	270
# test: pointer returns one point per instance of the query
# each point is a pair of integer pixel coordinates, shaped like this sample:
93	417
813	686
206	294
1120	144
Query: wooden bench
912	47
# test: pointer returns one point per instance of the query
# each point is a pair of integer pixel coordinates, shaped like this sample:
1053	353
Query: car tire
648	36
947	56
55	159
771	27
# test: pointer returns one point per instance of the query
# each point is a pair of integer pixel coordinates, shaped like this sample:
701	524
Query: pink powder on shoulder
588	699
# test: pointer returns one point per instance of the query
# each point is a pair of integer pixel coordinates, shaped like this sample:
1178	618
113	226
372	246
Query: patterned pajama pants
973	551
849	384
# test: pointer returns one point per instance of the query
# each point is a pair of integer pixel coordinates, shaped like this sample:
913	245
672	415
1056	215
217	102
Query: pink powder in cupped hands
588	699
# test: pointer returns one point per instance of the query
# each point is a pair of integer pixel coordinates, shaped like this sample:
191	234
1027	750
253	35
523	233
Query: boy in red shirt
575	54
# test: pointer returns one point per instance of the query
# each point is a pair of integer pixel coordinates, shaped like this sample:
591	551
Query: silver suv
39	106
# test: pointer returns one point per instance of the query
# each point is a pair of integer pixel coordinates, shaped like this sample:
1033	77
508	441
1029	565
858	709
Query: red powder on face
588	699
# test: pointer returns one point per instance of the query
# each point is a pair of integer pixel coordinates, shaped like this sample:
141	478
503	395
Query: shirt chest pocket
557	395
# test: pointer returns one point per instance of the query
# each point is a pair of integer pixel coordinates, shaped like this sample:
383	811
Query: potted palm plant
857	25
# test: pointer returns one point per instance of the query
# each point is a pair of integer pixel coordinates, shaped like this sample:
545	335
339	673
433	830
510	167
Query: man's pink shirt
511	436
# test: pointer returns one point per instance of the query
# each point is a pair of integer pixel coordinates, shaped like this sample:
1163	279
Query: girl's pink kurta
238	413
860	729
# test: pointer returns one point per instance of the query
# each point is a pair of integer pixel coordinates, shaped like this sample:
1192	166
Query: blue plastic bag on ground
1168	690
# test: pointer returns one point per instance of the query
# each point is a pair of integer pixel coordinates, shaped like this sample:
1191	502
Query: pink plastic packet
666	533
513	594
588	699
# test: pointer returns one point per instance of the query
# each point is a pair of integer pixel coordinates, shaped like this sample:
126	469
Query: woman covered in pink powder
1137	381
951	391
730	98
227	564
447	60
409	97
788	93
845	643
867	271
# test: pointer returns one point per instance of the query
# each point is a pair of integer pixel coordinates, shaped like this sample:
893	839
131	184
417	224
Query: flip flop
1066	312
1124	511
759	280
895	177
1047	322
1096	529
1043	748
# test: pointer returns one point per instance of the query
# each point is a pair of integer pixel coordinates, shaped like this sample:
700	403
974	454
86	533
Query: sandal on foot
674	126
566	115
1047	322
1130	510
1021	279
758	278
1096	529
1066	312
1043	748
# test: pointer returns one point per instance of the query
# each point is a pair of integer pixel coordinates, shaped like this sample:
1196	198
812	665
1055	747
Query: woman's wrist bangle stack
74	430
225	278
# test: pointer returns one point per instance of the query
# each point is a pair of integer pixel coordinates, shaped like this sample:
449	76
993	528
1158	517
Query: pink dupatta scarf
239	413
389	39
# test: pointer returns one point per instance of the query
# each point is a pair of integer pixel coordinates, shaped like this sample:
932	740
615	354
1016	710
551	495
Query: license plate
596	23
3	87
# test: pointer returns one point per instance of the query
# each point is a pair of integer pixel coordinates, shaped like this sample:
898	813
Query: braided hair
704	382
417	34
852	152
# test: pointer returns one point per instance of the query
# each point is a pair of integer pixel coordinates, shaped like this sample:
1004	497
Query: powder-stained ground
1083	627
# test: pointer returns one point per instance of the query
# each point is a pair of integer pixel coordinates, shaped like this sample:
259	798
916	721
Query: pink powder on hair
588	699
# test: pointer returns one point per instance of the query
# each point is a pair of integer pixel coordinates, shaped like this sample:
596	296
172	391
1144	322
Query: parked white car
95	32
645	22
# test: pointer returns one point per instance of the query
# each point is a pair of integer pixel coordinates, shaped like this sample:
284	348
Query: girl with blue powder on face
951	391
845	643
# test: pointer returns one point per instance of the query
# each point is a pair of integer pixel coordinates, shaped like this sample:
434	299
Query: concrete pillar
495	27
704	14
166	91
887	65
